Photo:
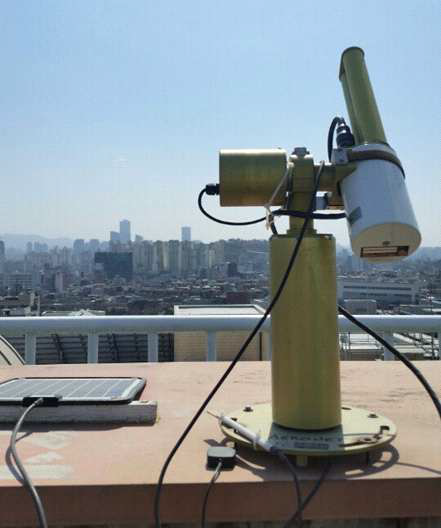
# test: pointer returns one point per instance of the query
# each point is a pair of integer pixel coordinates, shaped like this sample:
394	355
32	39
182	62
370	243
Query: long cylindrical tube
360	99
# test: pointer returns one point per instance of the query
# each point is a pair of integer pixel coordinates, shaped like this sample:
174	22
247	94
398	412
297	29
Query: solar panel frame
13	390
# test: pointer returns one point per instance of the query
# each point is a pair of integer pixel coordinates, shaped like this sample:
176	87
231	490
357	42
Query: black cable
238	355
295	478
297	517
224	222
314	216
27	482
272	225
210	485
397	354
336	121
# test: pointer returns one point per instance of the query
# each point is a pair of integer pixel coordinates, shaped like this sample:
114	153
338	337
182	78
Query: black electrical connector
212	189
50	400
226	456
344	137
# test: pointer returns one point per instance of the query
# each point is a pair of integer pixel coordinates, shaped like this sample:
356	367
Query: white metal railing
152	325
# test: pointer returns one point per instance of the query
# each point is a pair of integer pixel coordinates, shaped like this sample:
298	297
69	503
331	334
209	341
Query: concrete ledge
106	475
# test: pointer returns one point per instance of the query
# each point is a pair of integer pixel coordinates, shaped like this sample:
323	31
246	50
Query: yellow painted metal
305	358
249	177
360	99
360	431
304	176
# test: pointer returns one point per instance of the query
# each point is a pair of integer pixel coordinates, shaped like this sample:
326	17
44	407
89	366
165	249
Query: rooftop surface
107	474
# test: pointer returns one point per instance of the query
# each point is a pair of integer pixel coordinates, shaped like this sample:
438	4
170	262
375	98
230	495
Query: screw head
300	152
247	408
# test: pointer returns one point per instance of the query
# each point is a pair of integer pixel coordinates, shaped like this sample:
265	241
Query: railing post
267	345
92	348
211	346
387	354
152	343
30	349
439	344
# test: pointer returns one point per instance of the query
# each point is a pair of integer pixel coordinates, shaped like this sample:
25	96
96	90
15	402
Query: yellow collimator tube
360	99
305	357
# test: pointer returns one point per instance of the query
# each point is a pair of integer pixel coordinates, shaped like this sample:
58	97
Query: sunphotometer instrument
365	180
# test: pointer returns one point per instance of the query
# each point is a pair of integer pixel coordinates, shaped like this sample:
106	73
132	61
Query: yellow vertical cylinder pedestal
305	357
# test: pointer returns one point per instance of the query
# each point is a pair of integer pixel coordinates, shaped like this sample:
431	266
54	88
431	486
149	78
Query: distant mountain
19	241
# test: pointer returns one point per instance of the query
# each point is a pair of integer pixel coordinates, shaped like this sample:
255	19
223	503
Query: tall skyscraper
159	259
124	231
174	257
186	257
185	234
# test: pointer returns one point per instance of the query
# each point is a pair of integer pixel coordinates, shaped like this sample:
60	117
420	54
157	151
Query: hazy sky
117	109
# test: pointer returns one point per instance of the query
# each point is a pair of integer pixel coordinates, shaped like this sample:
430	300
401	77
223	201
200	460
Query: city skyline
60	243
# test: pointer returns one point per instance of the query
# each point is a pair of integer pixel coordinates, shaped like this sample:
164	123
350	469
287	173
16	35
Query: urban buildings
124	232
385	292
152	276
109	265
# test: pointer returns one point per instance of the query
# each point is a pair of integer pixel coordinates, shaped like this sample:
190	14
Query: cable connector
212	189
50	400
344	137
226	456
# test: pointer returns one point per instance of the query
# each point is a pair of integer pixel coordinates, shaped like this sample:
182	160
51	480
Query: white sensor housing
381	222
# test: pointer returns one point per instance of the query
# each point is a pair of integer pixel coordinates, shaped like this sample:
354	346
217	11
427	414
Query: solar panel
72	390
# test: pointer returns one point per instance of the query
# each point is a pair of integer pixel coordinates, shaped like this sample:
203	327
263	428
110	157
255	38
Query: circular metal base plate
359	432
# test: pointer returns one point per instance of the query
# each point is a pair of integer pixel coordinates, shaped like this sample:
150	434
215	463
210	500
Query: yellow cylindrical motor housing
305	357
249	177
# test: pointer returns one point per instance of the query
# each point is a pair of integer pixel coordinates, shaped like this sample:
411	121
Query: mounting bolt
248	408
300	152
372	415
339	156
